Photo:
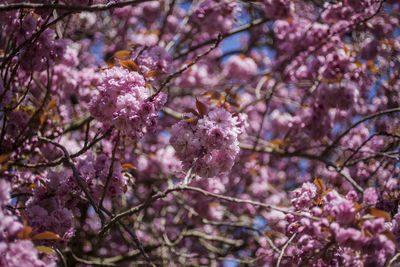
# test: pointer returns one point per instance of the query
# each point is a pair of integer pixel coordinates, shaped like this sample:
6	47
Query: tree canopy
199	133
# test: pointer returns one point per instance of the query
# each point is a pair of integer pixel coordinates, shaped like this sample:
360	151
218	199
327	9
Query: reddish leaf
320	184
234	103
51	104
133	45
208	93
152	73
253	156
277	143
380	213
366	233
194	112
201	107
192	120
110	64
346	50
359	64
127	166
47	236
128	64
214	204
326	192
148	86
4	158
25	232
357	206
228	90
216	96
235	96
122	53
42	119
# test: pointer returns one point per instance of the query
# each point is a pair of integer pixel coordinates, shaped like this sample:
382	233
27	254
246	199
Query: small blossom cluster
200	75
15	252
47	50
359	230
123	100
240	68
348	10
292	35
48	210
72	84
154	59
315	120
95	173
216	16
277	9
15	126
340	95
9	225
55	201
211	145
19	28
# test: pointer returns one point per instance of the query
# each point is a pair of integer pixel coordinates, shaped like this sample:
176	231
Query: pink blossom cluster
55	203
155	58
15	252
21	29
341	95
36	53
358	229
277	9
348	10
95	173
211	145
73	84
9	224
240	68
123	101
200	75
51	207
15	127
83	84
216	16
47	51
55	200
299	32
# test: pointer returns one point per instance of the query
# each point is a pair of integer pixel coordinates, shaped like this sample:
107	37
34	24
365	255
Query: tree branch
92	8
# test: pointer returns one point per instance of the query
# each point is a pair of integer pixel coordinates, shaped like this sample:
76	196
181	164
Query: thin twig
377	114
181	187
110	170
284	248
194	61
76	176
233	32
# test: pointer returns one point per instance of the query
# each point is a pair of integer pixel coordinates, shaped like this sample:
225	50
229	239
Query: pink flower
213	141
240	68
123	100
370	196
303	197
